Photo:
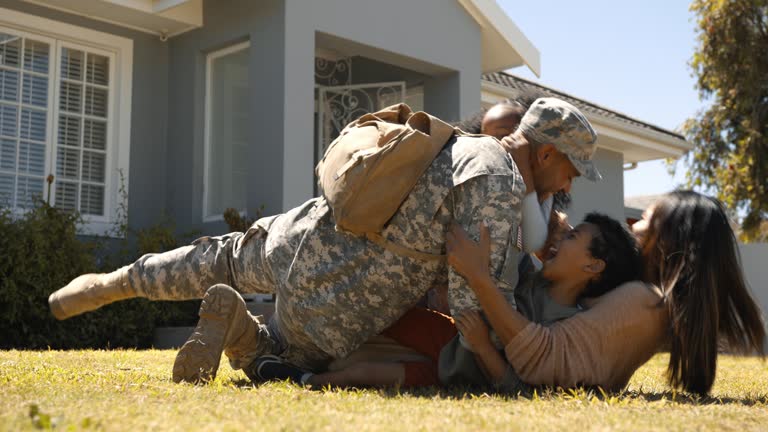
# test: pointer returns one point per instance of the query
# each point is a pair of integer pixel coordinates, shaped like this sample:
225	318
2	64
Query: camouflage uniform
335	290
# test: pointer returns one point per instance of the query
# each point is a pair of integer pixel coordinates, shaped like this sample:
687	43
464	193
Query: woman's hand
474	329
468	258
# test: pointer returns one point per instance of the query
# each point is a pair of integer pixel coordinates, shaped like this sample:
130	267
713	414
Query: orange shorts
427	332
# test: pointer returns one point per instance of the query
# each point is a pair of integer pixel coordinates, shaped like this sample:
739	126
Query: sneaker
273	368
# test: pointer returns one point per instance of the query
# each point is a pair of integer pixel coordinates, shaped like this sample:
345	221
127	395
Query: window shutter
24	88
81	155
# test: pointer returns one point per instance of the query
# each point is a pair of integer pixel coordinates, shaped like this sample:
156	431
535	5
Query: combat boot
89	292
225	326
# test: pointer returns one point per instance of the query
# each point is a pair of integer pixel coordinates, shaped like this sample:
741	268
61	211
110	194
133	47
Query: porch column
267	80
298	113
453	96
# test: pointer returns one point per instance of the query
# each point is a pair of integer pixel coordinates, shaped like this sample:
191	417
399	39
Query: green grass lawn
132	390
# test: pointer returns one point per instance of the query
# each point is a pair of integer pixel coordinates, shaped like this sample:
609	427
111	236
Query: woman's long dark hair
691	253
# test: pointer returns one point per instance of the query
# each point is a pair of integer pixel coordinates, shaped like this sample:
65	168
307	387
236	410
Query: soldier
335	290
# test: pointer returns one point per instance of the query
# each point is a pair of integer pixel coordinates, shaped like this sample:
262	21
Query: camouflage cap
555	121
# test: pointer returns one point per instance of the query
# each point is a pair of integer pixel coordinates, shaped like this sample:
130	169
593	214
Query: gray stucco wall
227	22
146	180
283	43
753	260
168	110
606	196
365	70
435	32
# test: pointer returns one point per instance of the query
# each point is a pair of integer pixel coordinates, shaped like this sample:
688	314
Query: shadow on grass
587	394
684	398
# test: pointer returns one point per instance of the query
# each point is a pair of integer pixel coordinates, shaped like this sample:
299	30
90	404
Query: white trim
647	136
207	124
642	137
151	31
85	15
49	108
504	44
120	50
163	5
359	86
111	159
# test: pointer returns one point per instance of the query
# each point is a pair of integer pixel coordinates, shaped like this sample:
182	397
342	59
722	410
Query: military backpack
369	170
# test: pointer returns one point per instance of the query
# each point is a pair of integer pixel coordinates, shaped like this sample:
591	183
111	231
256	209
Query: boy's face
501	120
557	228
571	259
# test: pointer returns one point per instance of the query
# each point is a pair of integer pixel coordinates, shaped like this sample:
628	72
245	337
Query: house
190	107
194	106
634	206
187	107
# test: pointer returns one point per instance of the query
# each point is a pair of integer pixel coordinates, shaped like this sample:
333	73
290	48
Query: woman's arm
601	346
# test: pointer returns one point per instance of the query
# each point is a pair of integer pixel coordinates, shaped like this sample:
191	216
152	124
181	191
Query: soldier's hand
469	258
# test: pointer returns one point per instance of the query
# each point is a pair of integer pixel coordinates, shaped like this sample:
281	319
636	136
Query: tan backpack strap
402	250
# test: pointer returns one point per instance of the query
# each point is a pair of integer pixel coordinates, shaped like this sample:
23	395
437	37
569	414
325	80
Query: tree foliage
730	137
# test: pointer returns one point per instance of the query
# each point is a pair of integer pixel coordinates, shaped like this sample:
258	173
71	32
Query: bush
157	238
239	223
41	252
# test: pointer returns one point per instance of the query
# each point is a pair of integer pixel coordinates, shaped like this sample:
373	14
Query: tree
730	137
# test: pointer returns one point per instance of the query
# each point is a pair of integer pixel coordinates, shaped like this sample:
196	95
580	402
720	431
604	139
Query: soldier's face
552	171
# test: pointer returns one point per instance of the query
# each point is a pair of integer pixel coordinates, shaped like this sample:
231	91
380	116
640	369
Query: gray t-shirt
457	365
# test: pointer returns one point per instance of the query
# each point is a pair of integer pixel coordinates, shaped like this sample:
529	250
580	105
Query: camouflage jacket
336	290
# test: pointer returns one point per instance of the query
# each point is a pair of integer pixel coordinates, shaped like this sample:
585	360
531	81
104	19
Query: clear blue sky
628	56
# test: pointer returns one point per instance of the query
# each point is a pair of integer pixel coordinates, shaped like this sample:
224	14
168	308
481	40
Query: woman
694	294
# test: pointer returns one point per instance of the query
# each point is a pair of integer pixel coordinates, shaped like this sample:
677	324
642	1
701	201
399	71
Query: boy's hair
472	124
523	99
617	247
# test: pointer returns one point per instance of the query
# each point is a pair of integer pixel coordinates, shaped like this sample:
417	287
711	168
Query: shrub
40	253
157	238
239	223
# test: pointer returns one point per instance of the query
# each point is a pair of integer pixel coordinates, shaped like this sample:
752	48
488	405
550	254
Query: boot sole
198	359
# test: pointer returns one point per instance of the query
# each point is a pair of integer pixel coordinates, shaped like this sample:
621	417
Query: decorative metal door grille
339	105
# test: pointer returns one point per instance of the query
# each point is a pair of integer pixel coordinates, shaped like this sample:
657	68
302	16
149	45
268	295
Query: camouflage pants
235	259
335	290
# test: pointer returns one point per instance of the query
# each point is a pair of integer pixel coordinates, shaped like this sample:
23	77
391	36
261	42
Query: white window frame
49	109
120	52
207	124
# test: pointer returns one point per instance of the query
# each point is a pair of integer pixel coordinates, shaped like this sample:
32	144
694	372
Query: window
83	116
227	113
59	115
25	106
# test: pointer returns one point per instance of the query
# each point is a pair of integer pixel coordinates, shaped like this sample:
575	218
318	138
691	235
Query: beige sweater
602	346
